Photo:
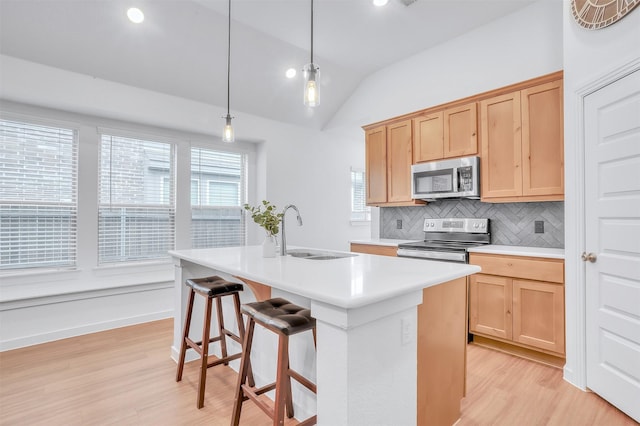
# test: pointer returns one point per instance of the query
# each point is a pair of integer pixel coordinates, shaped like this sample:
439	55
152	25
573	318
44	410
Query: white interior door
612	236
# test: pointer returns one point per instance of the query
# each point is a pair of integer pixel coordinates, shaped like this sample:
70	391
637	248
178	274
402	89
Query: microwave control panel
465	178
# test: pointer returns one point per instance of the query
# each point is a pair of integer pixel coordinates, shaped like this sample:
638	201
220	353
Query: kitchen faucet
283	238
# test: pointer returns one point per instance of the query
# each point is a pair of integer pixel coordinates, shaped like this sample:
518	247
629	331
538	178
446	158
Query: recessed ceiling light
135	15
380	3
291	72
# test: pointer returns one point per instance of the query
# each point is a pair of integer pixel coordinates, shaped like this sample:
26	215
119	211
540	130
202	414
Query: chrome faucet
283	238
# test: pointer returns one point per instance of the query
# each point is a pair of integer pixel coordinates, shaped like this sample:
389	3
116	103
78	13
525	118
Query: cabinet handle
591	257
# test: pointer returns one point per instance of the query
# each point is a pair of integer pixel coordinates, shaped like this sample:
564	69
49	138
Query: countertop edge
544	252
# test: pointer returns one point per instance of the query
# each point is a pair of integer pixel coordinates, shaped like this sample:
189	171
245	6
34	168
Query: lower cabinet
374	249
518	303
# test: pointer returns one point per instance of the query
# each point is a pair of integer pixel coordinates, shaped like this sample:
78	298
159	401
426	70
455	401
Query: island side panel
442	346
367	360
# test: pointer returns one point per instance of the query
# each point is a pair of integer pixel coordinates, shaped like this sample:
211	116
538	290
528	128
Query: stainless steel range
448	239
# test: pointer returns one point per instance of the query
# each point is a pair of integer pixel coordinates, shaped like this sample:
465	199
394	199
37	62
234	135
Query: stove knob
484	225
432	224
475	225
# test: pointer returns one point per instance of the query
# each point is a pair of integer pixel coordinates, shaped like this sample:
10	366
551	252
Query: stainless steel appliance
454	178
448	239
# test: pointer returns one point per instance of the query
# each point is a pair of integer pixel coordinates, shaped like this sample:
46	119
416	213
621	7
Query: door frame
575	370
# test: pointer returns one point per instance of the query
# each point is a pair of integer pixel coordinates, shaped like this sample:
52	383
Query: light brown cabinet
376	165
519	301
522	145
388	160
449	133
374	249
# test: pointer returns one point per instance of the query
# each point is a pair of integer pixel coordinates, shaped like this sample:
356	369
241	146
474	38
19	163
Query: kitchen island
373	347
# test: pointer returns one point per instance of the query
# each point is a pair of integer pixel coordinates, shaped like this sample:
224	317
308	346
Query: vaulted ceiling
181	47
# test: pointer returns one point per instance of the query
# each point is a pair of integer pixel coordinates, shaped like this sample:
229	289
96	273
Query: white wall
588	56
304	167
517	47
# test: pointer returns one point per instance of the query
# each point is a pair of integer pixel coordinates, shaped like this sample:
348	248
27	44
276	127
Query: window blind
136	214
218	192
38	196
359	209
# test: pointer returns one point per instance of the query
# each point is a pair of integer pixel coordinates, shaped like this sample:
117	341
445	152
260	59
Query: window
360	212
38	196
217	215
136	215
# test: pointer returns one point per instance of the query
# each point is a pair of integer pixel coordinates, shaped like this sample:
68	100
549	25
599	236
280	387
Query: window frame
32	120
205	183
359	217
172	206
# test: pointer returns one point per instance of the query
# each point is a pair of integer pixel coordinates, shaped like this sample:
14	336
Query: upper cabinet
376	165
522	145
449	133
516	130
388	164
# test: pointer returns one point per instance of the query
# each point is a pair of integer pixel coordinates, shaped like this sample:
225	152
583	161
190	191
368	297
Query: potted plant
265	215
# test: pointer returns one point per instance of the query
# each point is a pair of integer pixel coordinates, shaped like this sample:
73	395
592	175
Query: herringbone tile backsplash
511	224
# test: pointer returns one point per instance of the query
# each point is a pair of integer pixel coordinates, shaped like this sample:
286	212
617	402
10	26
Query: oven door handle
433	255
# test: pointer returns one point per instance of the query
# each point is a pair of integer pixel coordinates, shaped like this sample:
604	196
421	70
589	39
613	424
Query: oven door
450	256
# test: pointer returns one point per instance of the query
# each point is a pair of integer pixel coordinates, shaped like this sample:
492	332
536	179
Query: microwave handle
455	187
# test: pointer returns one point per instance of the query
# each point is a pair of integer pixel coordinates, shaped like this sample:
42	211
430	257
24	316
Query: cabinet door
460	131
374	249
427	137
501	146
490	305
538	314
399	158
542	140
376	165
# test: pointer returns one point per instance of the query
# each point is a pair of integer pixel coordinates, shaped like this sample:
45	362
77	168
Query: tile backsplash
511	223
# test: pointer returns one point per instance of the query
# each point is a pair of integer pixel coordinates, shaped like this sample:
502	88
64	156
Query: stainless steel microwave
452	178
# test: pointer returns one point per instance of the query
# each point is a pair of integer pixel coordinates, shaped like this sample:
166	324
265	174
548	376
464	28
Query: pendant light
311	74
227	132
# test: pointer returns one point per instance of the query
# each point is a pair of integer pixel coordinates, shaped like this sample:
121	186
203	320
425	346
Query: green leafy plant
265	215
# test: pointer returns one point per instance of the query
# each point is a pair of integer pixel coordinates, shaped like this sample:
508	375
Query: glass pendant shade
311	74
227	132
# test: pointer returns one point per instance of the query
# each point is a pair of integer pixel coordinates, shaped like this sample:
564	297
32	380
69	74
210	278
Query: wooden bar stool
216	288
285	319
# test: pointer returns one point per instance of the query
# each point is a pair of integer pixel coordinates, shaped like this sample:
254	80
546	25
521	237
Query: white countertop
551	253
349	282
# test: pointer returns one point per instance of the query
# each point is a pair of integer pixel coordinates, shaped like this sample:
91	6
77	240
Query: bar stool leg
242	373
241	333
221	333
283	383
183	343
205	353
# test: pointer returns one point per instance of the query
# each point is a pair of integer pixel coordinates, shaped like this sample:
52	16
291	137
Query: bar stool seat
213	287
285	319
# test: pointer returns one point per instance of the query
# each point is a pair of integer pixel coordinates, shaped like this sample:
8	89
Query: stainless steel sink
317	254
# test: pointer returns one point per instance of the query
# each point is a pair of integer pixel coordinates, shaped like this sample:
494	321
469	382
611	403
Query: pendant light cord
312	31
229	61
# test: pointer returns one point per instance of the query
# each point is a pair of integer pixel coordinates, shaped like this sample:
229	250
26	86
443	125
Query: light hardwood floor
126	377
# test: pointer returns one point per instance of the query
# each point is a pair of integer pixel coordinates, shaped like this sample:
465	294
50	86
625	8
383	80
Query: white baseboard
32	322
6	345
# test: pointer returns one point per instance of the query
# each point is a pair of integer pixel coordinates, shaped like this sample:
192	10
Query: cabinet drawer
374	249
551	270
